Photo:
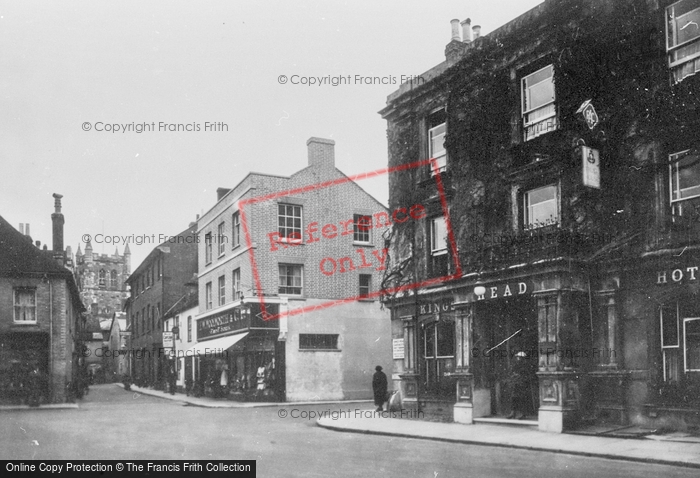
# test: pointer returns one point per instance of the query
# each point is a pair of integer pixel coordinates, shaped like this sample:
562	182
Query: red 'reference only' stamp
291	234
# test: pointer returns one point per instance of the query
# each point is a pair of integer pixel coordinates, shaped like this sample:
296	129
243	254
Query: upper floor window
25	304
290	279
236	230
685	182
538	108
189	328
207	248
103	278
289	221
365	285
540	207
691	344
236	282
683	38
360	228
438	236
113	279
222	290
437	128
222	242
207	295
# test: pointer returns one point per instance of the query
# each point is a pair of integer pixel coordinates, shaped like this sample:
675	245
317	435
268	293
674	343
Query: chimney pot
477	31
321	152
221	192
21	228
38	244
467	30
26	230
455	30
57	221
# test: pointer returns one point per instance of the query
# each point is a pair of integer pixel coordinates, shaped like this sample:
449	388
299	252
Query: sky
70	70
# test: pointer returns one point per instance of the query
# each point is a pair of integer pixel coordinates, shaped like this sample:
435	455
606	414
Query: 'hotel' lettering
677	275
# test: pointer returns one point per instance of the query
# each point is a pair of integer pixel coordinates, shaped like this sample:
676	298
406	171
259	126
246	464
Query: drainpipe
51	341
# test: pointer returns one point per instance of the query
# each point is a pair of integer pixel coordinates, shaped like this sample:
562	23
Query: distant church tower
102	280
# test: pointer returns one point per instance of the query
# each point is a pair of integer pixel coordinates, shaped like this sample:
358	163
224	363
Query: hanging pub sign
589	114
590	158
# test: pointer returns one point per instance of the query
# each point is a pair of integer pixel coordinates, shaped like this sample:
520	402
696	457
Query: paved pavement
640	450
667	450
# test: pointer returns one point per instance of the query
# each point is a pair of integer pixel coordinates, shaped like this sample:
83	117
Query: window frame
189	328
686	320
286	237
365	295
221	231
358	224
208	301
673	175
553	125
236	283
527	225
315	342
672	48
236	229
280	286
433	231
222	290
15	305
432	126
208	251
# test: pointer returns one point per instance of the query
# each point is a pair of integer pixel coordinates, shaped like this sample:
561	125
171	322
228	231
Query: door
438	347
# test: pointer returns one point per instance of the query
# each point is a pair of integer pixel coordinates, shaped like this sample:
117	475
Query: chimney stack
477	31
58	221
455	30
21	228
26	230
321	152
221	192
467	30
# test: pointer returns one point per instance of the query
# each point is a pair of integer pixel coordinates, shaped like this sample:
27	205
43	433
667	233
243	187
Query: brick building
566	142
40	315
306	350
155	286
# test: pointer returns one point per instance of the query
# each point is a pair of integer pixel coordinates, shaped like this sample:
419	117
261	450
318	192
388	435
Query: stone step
506	421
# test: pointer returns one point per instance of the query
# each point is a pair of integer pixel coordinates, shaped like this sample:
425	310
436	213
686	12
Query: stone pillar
410	377
463	411
558	319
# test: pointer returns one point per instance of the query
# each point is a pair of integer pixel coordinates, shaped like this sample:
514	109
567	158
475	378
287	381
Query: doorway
503	330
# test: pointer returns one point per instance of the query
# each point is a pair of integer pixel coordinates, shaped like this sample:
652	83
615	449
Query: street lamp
479	290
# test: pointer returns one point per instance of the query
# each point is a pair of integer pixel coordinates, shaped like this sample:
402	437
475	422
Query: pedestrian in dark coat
520	387
379	386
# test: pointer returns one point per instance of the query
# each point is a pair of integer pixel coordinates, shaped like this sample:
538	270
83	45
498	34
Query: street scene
323	239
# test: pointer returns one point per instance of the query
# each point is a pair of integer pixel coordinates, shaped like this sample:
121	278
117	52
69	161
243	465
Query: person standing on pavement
379	386
520	387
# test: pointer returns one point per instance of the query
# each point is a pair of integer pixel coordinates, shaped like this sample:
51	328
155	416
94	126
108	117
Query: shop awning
208	347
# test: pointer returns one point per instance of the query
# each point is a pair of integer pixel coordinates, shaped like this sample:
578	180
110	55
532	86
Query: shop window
189	328
222	290
691	344
684	176
683	39
25	305
437	128
207	248
290	279
289	221
236	282
361	228
208	296
113	279
221	238
318	341
236	230
540	207
365	285
538	103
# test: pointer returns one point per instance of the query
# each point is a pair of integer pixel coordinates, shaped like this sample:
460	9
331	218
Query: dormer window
683	39
538	106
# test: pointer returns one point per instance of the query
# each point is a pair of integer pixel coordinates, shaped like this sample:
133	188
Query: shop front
20	354
486	347
238	355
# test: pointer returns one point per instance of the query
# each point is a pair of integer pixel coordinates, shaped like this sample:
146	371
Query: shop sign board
167	339
236	319
398	348
591	167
